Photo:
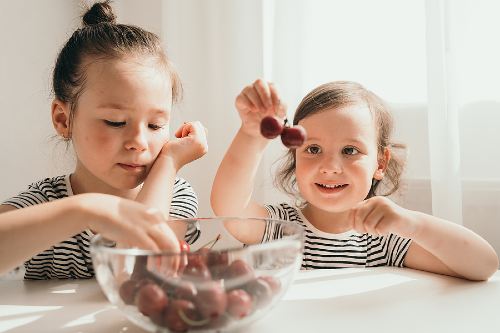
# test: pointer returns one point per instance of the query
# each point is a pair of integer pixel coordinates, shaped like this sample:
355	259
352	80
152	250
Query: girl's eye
156	127
114	123
313	150
350	151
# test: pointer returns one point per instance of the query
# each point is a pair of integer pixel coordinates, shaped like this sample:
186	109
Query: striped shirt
71	259
349	249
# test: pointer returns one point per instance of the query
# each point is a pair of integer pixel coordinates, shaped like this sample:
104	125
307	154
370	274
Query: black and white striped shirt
349	249
71	259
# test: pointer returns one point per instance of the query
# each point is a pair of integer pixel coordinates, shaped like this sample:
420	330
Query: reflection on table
350	300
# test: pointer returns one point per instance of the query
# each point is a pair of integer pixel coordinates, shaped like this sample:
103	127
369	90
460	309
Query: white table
345	300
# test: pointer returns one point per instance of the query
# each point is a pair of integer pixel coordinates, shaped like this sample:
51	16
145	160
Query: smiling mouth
331	188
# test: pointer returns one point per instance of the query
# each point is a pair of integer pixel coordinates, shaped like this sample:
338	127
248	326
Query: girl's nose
331	165
136	139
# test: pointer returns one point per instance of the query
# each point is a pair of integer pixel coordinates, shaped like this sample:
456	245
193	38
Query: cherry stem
212	242
190	321
286	123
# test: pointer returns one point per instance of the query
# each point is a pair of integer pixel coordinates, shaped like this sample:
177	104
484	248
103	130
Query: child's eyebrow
117	106
355	141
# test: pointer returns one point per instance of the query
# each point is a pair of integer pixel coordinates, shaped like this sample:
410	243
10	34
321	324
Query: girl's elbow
488	269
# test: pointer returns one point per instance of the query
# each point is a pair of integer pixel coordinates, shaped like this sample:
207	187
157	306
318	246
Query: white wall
31	34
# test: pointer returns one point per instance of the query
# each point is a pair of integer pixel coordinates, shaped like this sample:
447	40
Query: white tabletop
345	300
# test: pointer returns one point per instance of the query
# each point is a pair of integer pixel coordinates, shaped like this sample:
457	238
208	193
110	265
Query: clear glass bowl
220	284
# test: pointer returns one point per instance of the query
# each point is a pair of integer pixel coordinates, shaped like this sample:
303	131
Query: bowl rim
249	247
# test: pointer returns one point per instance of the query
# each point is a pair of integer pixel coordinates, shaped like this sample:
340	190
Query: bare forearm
234	182
460	249
158	188
28	231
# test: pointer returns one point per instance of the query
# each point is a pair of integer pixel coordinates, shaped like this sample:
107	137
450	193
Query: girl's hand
127	222
257	101
191	144
381	216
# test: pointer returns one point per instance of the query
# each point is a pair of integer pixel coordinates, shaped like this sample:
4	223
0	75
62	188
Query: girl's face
336	164
121	121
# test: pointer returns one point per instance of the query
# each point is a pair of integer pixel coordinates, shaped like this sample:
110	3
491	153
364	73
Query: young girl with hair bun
114	90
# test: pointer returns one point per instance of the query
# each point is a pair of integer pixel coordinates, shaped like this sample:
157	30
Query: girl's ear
383	162
61	118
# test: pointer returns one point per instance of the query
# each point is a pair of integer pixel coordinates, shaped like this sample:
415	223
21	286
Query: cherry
239	303
260	290
128	289
186	290
293	137
274	283
217	263
211	300
140	268
240	271
196	269
151	299
181	315
270	127
184	246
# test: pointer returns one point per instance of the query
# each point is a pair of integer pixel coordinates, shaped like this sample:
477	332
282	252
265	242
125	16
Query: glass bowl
220	282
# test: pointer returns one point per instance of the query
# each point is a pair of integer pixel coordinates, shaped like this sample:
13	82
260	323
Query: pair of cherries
291	136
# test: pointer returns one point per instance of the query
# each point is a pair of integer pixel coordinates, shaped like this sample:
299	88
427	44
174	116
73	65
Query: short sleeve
272	229
185	205
391	251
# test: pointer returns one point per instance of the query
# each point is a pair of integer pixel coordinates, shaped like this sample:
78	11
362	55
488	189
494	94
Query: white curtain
434	61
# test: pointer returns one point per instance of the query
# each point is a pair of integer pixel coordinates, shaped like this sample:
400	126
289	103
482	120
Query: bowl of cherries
219	282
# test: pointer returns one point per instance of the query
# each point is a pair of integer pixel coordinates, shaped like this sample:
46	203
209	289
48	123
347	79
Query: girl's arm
235	179
444	247
437	246
27	231
158	187
234	182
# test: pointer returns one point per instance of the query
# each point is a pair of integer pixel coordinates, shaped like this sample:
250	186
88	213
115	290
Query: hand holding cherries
292	137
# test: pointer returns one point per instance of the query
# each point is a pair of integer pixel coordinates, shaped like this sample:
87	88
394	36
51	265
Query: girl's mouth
330	188
132	167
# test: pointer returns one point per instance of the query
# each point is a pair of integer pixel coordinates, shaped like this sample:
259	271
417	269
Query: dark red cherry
217	263
151	299
270	127
181	315
274	283
128	289
239	303
260	291
293	137
186	290
196	269
240	270
211	300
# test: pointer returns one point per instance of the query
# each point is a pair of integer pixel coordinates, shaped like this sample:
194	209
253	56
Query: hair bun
100	12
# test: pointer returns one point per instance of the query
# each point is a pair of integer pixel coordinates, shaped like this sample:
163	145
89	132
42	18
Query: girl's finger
164	237
253	96
264	93
244	103
183	130
142	241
